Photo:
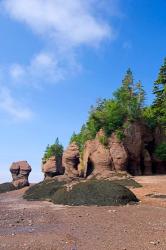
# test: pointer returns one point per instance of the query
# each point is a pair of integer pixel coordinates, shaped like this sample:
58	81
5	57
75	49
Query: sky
57	57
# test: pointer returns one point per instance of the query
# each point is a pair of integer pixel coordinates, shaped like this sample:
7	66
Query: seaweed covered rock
20	172
118	153
43	190
70	160
7	187
100	193
52	167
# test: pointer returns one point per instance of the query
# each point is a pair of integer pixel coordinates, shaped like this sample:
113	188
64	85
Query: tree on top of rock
130	96
55	149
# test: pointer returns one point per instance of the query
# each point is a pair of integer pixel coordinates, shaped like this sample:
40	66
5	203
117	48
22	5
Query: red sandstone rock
52	167
147	161
70	160
118	153
20	171
96	159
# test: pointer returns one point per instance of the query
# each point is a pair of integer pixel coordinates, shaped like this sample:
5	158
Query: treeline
127	105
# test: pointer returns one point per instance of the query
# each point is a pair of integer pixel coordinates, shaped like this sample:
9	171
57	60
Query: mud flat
43	225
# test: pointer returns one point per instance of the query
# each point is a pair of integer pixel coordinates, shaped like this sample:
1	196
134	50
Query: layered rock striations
20	172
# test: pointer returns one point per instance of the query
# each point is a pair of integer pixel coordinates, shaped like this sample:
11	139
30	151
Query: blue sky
57	57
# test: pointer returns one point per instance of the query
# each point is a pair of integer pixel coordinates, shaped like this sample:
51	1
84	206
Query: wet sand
43	225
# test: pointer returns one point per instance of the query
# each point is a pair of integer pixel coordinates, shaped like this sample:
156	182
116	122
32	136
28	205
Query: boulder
71	160
52	167
118	153
20	172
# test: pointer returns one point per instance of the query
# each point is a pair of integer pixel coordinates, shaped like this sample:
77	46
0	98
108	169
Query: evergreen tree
159	90
130	96
55	149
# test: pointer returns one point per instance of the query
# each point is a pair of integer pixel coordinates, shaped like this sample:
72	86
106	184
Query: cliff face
159	137
134	155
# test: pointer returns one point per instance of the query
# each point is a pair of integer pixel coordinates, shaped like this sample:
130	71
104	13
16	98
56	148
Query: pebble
155	242
112	211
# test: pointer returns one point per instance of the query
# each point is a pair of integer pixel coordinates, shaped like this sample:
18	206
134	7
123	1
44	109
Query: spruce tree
159	104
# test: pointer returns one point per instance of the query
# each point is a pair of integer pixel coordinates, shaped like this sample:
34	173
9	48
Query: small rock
155	242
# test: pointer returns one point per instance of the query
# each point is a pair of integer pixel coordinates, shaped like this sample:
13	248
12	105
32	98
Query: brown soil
45	226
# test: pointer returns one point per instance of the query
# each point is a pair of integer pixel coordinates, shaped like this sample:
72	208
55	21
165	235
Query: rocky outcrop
106	157
159	137
96	159
118	153
52	167
70	160
20	172
137	138
147	163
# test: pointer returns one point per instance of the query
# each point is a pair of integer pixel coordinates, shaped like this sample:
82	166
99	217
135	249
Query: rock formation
97	160
52	167
104	156
147	163
20	171
159	137
138	137
70	160
118	153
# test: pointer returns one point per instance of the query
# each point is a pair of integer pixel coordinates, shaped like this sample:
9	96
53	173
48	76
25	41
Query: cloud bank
65	26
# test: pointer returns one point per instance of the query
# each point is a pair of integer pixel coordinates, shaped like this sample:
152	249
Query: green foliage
100	193
103	140
159	104
55	149
150	117
43	190
110	115
6	187
107	115
120	134
130	97
160	151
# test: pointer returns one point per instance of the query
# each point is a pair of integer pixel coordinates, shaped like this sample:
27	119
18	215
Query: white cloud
65	26
43	68
16	71
70	22
12	107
